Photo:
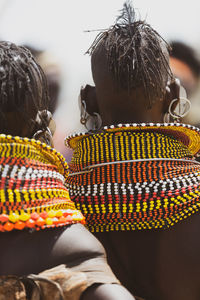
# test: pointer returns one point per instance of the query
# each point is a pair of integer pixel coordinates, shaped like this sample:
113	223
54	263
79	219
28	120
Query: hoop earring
166	118
44	136
84	114
176	115
43	120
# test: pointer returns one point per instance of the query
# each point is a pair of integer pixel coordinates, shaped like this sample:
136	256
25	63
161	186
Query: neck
123	108
132	117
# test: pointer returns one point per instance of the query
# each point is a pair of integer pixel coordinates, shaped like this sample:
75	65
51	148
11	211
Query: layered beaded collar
189	135
144	176
32	190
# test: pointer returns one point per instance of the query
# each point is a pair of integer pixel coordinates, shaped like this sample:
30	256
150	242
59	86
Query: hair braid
22	84
134	54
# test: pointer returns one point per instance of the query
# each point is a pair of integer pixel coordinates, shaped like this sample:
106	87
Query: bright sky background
58	25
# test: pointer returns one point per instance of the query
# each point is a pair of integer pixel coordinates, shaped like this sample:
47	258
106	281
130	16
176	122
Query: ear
88	94
172	92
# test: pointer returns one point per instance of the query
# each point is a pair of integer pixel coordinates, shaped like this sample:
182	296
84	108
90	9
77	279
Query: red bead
35	216
44	214
68	212
55	220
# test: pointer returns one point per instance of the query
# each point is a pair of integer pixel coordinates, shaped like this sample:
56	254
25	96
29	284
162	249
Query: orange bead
20	225
63	219
83	222
30	223
4	218
40	222
8	226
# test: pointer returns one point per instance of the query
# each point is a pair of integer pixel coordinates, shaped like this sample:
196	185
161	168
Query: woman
133	176
40	226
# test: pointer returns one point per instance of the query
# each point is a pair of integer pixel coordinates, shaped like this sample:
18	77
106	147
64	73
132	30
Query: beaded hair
23	87
134	54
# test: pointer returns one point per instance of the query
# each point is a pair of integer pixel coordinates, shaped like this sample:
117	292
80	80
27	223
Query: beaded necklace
32	190
142	176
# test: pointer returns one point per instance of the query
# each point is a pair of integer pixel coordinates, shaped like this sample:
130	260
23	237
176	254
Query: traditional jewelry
177	115
91	168
91	122
44	120
143	176
32	186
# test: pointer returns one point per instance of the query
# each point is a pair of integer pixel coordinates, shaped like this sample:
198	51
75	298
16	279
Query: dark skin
23	252
51	248
154	264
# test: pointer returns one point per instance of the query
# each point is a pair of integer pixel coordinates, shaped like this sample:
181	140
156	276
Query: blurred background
58	28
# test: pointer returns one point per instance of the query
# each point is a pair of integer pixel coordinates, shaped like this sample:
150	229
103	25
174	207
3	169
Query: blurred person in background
185	65
53	72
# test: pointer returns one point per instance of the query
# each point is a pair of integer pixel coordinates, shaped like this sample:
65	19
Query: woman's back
134	178
40	228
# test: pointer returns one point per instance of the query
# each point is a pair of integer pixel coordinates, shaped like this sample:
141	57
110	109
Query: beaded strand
32	191
136	195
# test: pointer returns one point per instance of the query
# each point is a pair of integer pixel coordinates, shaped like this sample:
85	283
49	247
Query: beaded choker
141	176
32	191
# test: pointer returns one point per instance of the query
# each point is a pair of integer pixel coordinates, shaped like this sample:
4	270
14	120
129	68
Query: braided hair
23	87
134	54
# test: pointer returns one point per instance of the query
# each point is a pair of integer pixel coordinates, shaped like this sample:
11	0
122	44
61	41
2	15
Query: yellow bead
49	221
59	213
51	214
77	216
24	216
13	217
